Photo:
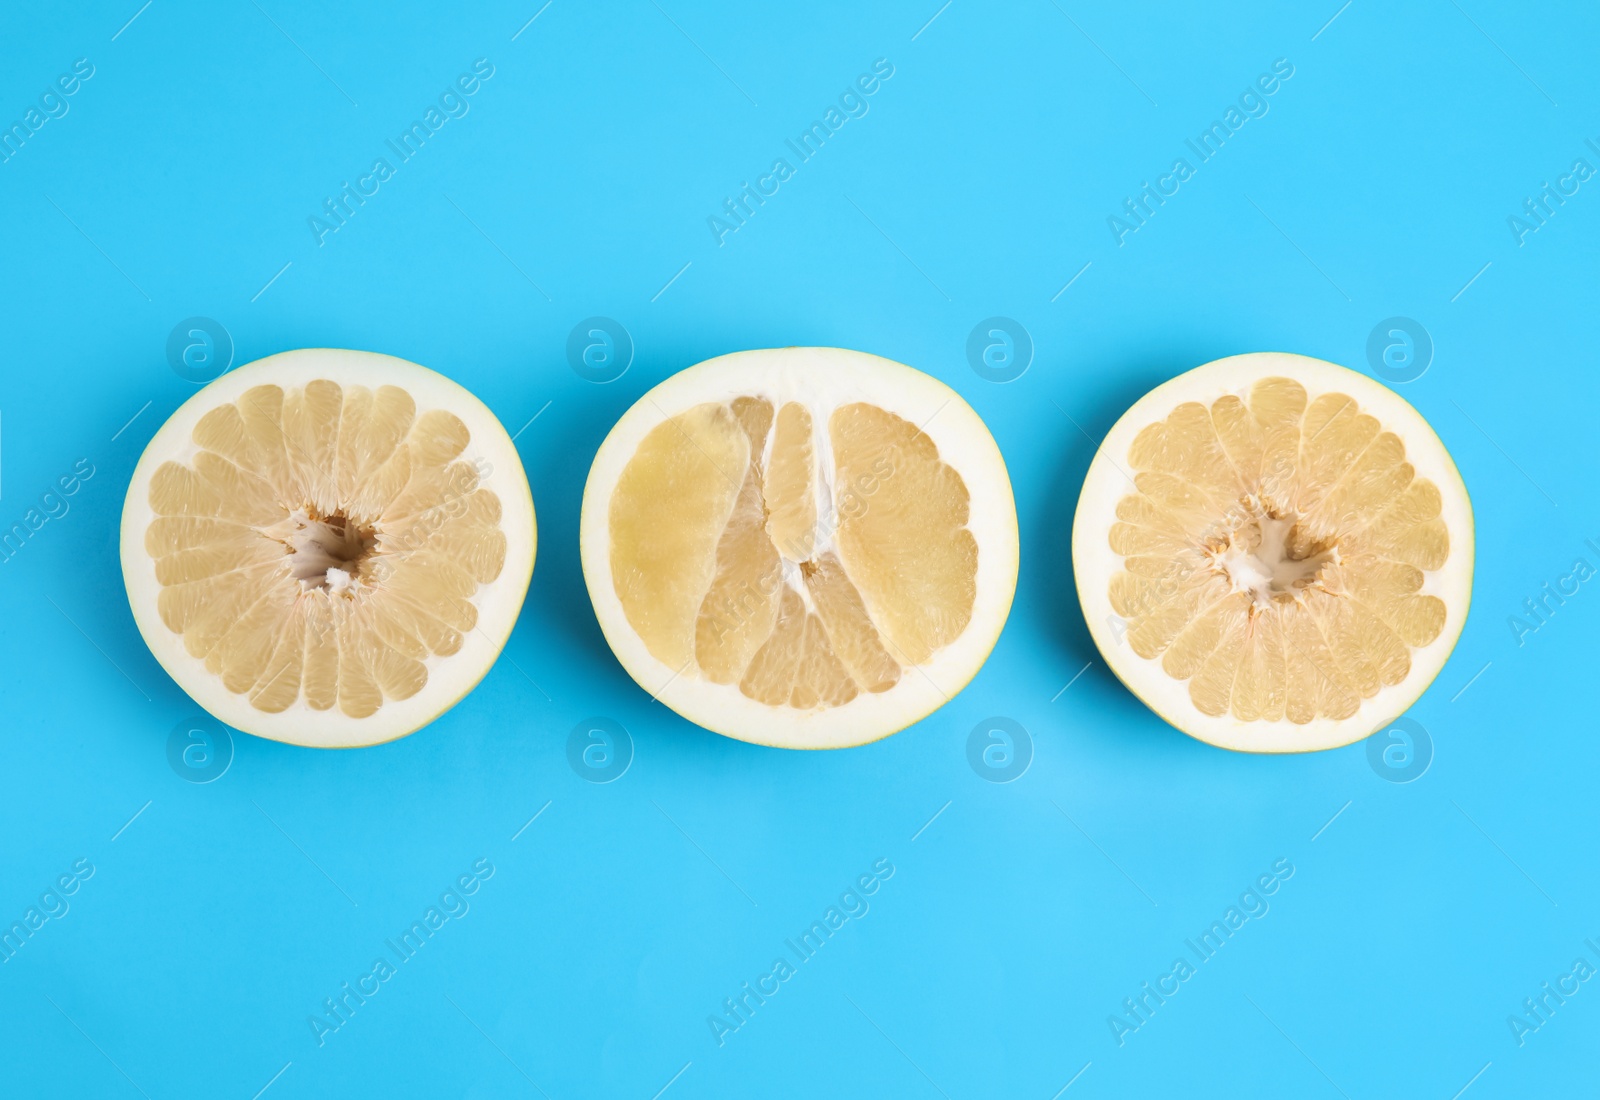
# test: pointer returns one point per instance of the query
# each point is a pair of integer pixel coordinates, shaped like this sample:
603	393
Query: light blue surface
1377	184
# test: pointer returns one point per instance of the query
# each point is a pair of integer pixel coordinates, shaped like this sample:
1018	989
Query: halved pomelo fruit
328	547
802	547
1274	553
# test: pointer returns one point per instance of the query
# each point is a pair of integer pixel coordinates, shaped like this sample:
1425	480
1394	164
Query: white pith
498	602
1095	562
822	379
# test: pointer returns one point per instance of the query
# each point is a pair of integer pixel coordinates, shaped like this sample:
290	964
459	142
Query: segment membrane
322	544
1274	551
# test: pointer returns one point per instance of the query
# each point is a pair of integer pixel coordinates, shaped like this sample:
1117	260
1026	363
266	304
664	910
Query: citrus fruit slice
328	547
803	547
1274	553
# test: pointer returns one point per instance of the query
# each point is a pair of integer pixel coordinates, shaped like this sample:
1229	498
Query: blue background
979	184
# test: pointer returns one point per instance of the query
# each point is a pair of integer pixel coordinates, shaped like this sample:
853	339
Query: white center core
325	552
1266	569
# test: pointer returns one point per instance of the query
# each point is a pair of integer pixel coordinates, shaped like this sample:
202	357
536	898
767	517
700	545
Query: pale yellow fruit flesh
1274	554
742	558
322	544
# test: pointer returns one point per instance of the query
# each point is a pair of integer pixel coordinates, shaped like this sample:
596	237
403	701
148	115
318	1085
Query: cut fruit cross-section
328	547
1274	553
804	547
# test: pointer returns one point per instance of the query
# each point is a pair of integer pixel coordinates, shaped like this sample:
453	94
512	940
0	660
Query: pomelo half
328	548
1274	553
800	547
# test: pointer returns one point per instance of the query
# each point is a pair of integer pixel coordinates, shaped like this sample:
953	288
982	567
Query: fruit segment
323	543
668	513
845	617
902	529
740	607
1274	553
790	491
